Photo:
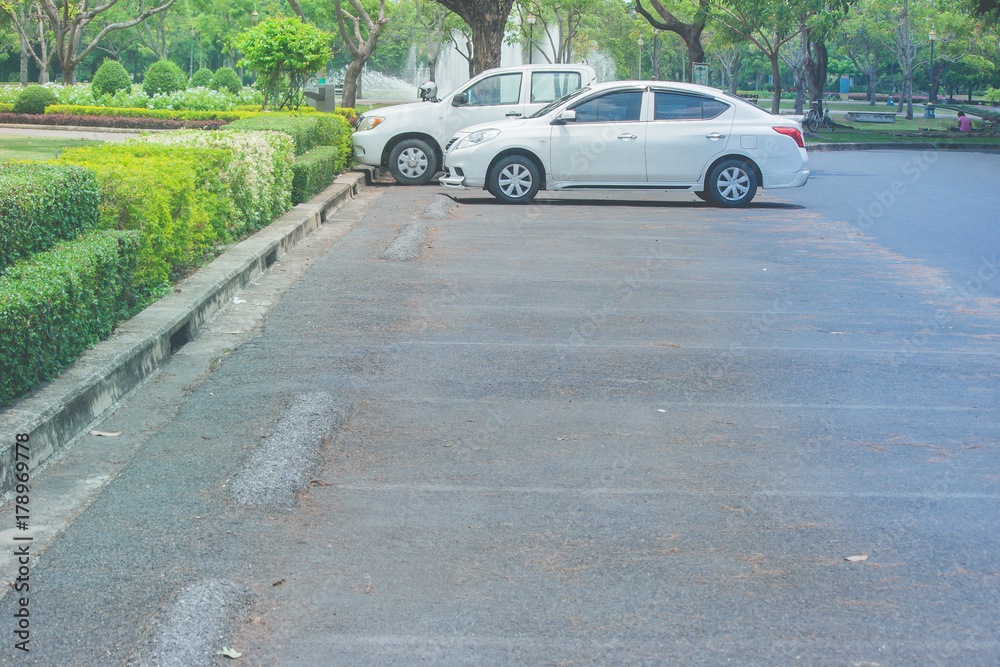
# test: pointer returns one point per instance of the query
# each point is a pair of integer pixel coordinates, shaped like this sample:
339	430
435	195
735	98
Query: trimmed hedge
41	205
6	107
34	99
259	171
307	131
163	77
312	172
173	196
59	303
122	122
202	77
110	77
226	78
162	114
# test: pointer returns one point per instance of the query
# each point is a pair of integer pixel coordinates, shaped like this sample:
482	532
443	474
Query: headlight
477	137
368	122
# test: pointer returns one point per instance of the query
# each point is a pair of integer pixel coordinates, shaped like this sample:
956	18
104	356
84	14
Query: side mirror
567	116
428	92
460	100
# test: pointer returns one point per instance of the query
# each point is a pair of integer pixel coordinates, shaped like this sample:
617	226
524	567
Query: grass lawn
21	147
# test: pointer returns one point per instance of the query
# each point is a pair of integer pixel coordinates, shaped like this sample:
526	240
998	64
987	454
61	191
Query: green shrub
203	77
109	79
59	303
259	172
172	195
226	78
304	130
312	172
163	77
164	114
41	205
34	99
6	107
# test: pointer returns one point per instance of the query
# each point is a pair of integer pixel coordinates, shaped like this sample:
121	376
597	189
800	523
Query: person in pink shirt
964	124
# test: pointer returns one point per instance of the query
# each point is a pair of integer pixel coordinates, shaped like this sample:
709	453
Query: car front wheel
412	162
731	183
515	180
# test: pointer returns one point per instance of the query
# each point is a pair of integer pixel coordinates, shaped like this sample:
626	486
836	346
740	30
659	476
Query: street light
254	17
933	38
531	37
640	57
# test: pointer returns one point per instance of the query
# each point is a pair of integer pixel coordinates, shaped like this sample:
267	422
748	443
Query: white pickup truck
410	139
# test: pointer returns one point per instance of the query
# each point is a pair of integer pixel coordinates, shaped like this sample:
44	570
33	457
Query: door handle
513	114
627	137
715	135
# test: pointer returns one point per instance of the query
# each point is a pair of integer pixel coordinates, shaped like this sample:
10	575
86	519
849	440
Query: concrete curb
59	411
904	145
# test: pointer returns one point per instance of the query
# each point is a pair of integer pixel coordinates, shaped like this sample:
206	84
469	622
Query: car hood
396	111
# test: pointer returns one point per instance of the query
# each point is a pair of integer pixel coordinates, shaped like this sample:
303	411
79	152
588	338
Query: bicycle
813	119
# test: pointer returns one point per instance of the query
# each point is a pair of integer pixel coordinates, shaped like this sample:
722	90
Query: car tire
413	162
515	180
731	183
702	195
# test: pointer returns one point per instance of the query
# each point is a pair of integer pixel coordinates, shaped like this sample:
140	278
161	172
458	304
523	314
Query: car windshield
552	105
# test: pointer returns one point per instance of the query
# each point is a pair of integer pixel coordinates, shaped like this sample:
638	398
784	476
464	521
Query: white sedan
634	135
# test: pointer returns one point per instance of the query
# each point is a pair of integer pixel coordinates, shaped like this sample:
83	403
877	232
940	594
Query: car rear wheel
731	183
412	162
515	180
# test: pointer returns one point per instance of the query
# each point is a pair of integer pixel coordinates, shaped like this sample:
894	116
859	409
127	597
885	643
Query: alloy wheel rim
733	184
412	162
515	180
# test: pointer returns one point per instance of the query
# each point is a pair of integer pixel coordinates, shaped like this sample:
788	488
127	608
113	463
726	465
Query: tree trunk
349	97
816	68
776	75
487	41
24	62
689	32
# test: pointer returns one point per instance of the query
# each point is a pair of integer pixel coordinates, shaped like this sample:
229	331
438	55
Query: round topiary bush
34	99
109	78
226	78
164	76
203	77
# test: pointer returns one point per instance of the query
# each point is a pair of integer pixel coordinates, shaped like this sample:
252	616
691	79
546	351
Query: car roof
660	85
546	67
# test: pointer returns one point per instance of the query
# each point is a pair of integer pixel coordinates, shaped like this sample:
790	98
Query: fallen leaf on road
857	559
230	653
317	482
105	434
278	582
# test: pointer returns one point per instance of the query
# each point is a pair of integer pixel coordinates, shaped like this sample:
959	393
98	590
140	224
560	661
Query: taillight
791	132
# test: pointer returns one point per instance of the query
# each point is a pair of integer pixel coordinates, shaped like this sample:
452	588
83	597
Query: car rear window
677	106
549	86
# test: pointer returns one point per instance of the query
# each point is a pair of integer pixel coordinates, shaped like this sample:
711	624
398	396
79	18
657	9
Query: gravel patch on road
407	244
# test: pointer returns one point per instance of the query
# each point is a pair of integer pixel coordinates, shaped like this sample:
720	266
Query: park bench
750	98
871	116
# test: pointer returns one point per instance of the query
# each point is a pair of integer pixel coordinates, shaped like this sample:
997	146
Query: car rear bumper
794	179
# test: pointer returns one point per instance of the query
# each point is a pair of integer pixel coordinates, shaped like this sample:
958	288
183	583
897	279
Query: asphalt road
597	430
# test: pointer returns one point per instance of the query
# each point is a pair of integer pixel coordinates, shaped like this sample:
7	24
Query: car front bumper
368	147
452	179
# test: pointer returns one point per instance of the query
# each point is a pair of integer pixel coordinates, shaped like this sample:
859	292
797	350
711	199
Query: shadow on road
645	203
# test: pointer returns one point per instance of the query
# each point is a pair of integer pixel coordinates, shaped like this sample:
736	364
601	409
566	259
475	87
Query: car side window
610	108
677	106
549	86
495	90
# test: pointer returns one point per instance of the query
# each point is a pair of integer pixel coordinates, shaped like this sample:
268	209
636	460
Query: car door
686	133
494	97
604	144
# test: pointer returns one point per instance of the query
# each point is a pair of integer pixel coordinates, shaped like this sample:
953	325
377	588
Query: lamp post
640	57
254	17
191	56
930	94
531	37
